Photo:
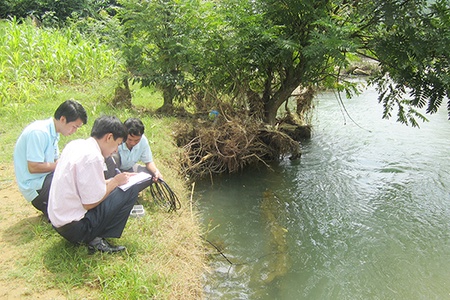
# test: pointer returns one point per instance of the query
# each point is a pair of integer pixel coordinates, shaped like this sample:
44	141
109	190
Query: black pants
107	220
111	165
41	201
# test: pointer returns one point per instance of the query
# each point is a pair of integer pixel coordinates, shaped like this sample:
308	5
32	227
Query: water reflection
363	215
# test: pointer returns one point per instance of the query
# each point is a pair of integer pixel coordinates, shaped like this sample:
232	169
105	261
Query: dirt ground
16	215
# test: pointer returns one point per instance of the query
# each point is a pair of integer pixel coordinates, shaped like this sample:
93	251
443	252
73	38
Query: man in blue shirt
135	149
36	151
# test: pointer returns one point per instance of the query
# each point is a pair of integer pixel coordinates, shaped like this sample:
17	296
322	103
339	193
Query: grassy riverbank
39	69
164	259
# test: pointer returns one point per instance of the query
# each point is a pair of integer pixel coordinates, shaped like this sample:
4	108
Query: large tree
282	45
261	51
293	43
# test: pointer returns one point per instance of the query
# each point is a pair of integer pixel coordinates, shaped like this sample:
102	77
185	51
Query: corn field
34	59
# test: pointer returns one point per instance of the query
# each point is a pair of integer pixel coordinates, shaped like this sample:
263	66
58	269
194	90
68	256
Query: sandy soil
16	216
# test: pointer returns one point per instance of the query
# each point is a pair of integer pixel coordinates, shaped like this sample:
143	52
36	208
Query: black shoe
100	244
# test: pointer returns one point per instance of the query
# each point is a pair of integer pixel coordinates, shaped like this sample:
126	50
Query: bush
51	11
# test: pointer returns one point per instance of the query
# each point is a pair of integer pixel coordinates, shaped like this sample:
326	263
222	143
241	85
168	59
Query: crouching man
84	207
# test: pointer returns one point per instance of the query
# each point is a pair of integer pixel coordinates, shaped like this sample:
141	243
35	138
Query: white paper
132	180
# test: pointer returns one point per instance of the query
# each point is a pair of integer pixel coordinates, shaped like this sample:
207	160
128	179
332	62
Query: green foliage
35	60
157	46
51	12
258	52
246	50
282	45
413	51
104	28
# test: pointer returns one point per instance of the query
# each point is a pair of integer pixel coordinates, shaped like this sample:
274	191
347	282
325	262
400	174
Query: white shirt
78	180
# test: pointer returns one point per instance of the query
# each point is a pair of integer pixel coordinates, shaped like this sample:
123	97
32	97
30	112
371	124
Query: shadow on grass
114	276
43	247
23	232
70	264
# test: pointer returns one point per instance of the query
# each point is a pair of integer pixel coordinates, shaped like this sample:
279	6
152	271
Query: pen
116	169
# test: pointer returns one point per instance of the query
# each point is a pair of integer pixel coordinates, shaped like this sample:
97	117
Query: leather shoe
102	245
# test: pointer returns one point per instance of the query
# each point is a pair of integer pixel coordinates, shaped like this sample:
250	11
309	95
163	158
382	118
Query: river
364	214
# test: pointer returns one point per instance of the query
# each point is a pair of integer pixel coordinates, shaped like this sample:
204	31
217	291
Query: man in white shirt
36	151
83	206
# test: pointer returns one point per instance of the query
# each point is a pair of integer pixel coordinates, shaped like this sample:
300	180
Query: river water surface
364	214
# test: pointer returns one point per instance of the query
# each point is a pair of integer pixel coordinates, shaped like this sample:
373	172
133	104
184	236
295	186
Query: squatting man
83	207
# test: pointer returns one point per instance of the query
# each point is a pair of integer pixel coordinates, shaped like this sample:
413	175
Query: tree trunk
273	100
122	95
168	96
271	105
270	114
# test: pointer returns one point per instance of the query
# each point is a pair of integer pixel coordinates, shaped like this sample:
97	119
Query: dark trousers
111	165
41	201
107	220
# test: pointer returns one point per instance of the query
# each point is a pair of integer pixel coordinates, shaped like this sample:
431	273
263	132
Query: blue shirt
140	152
37	143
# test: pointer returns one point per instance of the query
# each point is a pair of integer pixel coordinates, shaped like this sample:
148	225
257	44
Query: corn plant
34	59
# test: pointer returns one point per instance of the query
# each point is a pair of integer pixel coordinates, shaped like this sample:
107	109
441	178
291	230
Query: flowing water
364	214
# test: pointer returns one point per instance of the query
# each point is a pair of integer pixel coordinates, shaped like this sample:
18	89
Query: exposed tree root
228	144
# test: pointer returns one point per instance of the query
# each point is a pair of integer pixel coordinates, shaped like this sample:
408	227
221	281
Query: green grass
56	263
119	276
164	258
53	263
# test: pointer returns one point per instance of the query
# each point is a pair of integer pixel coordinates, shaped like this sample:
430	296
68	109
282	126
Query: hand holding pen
115	165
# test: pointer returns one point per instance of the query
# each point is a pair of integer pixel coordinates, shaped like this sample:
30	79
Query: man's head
70	115
109	133
135	129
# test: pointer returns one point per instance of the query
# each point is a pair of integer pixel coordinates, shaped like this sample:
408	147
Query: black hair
134	126
109	124
72	110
